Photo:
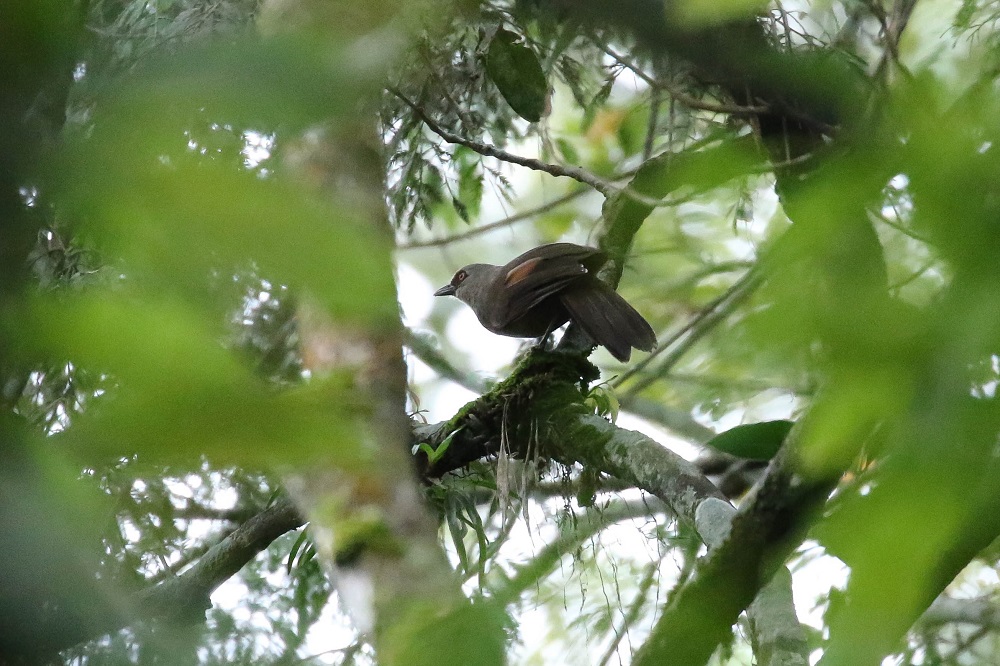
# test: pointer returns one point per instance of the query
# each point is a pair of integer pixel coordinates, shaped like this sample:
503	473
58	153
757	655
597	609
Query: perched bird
542	289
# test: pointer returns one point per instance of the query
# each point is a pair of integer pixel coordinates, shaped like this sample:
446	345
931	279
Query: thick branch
637	459
190	591
538	410
542	417
184	597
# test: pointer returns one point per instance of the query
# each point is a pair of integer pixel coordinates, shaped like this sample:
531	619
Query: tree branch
498	224
765	530
682	340
184	597
512	414
544	389
576	173
681	96
190	591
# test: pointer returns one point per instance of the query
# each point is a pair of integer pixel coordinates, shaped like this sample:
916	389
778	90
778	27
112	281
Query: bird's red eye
459	277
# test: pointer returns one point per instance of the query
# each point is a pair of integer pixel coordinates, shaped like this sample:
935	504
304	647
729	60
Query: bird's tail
608	319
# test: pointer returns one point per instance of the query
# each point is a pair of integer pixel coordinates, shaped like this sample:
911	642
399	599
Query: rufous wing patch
521	271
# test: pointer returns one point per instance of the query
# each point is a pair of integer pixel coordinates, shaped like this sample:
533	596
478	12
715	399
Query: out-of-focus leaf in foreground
175	219
927	503
52	527
181	394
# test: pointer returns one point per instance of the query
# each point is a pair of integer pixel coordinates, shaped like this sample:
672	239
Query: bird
537	292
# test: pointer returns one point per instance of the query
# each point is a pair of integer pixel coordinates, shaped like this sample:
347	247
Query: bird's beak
447	290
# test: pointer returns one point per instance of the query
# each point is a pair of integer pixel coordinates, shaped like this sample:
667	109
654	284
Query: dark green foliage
518	75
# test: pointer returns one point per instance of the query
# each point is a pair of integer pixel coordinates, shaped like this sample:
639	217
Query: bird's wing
590	257
541	272
532	281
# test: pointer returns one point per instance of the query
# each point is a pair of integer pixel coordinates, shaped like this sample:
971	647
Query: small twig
878	216
680	342
576	173
894	288
681	96
635	608
787	26
476	231
892	31
437	362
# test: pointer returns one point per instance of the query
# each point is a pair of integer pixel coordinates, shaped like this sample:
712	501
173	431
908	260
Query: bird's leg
543	341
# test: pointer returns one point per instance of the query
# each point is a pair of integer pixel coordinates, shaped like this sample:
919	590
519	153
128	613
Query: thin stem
681	96
477	231
681	342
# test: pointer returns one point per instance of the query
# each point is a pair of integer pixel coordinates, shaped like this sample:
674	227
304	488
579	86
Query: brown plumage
539	291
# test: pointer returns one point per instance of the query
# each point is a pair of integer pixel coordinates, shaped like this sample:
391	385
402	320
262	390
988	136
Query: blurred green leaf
568	151
225	77
553	226
633	128
755	441
470	185
177	225
697	170
175	217
182	394
415	641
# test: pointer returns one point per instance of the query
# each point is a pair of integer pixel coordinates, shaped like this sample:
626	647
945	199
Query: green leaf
299	542
604	402
433	455
555	225
470	189
518	75
698	170
458	530
633	128
756	441
175	217
569	152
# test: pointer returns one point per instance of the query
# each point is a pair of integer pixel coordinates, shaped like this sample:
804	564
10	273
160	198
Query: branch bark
765	530
183	598
569	435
